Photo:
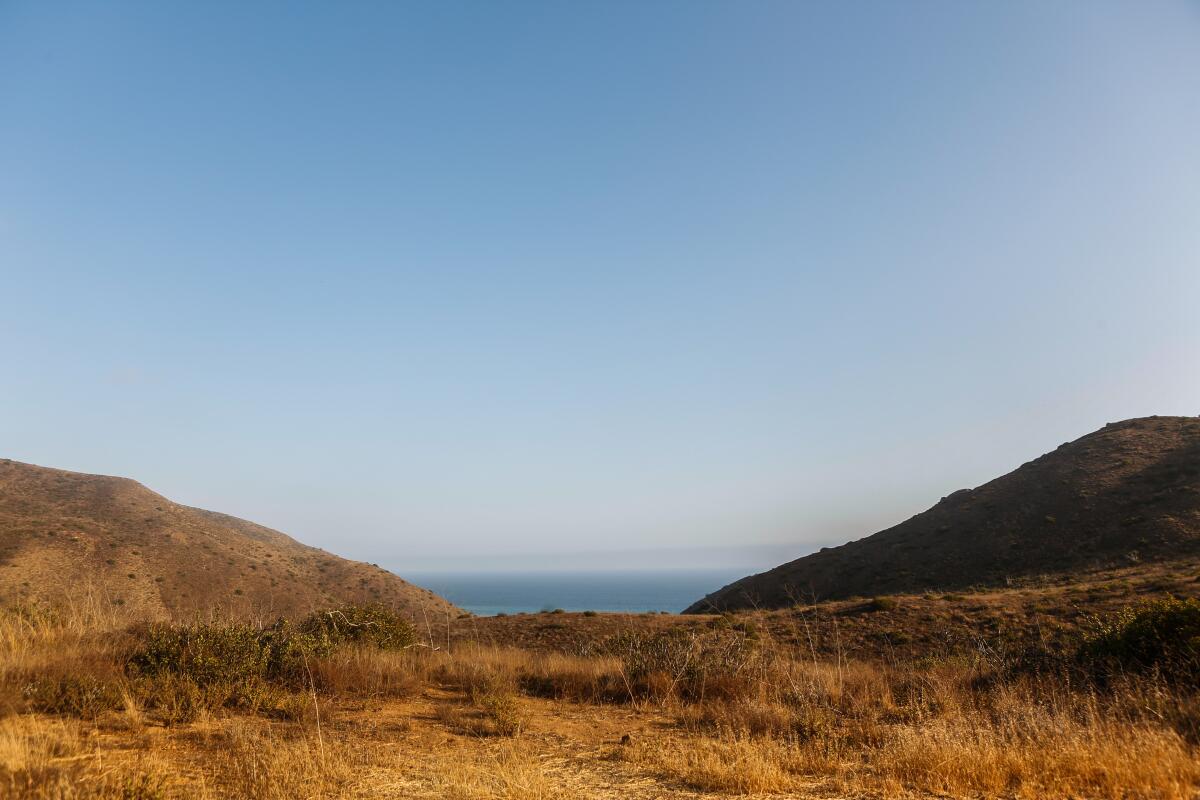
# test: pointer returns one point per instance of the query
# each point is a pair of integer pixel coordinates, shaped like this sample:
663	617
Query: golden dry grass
263	762
514	772
715	713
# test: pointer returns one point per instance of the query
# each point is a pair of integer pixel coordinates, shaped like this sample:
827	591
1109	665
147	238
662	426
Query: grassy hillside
66	533
1128	493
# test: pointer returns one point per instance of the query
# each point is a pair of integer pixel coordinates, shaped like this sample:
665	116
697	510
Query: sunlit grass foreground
351	704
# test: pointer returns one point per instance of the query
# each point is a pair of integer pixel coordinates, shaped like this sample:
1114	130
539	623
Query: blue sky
567	284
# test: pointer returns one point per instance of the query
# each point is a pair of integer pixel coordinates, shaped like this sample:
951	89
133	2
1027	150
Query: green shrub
371	624
180	669
80	695
206	654
1161	636
883	604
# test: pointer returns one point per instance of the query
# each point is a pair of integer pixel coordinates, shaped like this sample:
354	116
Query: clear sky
490	284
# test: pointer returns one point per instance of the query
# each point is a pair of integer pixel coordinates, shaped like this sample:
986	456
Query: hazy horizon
501	286
753	558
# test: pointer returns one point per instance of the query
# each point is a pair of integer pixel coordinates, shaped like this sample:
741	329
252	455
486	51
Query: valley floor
395	750
986	694
414	748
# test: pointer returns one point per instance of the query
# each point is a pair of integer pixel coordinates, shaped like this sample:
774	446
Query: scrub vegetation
358	702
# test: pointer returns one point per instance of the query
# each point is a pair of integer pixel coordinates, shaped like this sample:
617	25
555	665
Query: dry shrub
30	632
725	662
77	661
728	765
596	679
503	711
182	672
957	727
558	676
260	762
755	718
61	660
494	710
1036	755
38	756
366	672
656	665
175	699
471	668
511	773
47	760
943	731
234	653
306	708
465	719
1016	746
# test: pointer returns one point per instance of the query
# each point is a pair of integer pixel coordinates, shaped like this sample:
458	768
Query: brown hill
63	533
1127	493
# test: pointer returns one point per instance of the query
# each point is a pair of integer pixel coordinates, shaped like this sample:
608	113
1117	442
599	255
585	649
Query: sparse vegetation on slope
1128	493
60	531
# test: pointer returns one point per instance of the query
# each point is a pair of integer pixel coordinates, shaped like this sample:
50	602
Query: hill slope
1126	493
62	533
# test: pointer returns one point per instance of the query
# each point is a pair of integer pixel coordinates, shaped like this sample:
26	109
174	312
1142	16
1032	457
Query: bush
494	708
1159	636
206	654
79	695
176	699
211	654
717	663
883	604
372	624
501	709
180	669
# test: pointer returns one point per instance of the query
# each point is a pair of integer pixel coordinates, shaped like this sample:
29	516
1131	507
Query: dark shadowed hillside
68	533
1125	494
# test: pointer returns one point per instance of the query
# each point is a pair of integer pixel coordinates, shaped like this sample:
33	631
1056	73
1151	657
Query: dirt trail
404	749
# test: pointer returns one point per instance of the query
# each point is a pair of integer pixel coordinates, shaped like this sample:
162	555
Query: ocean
490	593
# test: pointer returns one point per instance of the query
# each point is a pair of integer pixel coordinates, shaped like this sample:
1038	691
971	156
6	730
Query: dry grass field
805	703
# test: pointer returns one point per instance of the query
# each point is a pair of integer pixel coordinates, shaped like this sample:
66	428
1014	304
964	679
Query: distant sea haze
490	593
